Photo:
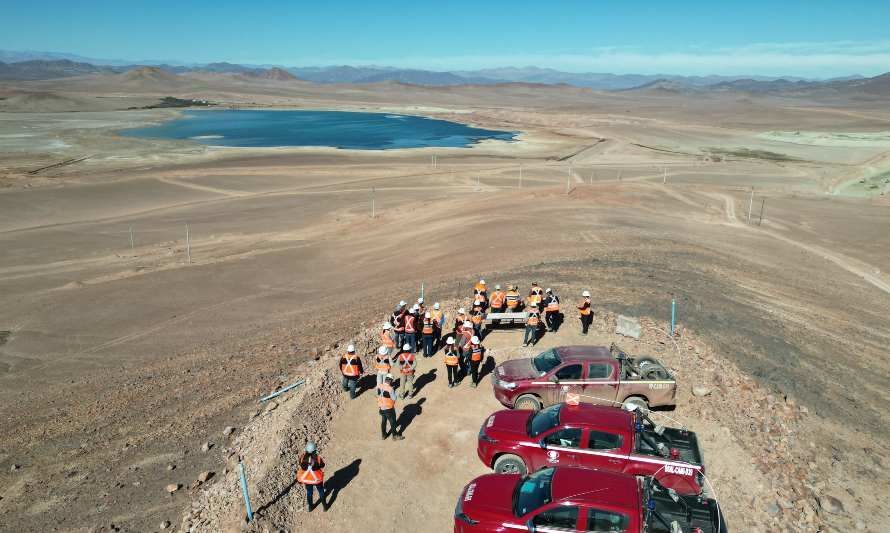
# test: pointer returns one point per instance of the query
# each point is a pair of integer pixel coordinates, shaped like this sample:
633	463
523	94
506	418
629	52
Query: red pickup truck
581	500
592	436
597	374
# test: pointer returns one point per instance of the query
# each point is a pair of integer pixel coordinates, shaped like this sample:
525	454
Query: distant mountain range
25	66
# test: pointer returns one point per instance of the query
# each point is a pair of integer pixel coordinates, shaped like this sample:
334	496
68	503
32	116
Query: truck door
561	447
565	379
601	383
605	450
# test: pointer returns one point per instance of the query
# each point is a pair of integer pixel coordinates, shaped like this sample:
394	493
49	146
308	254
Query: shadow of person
408	414
340	480
487	368
366	383
424	379
262	509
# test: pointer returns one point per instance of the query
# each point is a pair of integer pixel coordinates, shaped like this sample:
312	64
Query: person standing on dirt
476	354
585	312
498	300
438	317
382	363
513	298
410	326
398	324
310	474
386	403
452	362
477	316
352	370
388	338
459	319
535	295
429	335
532	322
551	310
407	367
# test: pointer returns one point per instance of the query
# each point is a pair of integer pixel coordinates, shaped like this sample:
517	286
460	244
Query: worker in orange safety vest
410	321
551	310
477	317
513	298
388	338
459	319
351	368
476	353
585	312
532	323
452	362
407	367
498	300
386	404
438	317
310	474
428	330
382	363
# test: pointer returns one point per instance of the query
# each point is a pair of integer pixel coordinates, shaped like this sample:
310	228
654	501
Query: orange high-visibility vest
465	336
386	339
427	326
533	319
497	299
350	369
310	476
451	358
584	308
406	362
409	324
553	306
381	363
512	299
533	299
383	401
479	287
476	352
436	315
476	318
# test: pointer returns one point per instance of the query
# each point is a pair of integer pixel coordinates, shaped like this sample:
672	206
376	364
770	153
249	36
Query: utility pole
373	204
750	205
520	175
664	179
592	175
188	244
132	245
762	203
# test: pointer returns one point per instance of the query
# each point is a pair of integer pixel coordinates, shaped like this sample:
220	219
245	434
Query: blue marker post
244	492
673	315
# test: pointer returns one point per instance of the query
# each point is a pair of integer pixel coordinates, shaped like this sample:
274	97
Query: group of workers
410	327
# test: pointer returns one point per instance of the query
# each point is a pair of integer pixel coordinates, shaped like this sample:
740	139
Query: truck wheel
654	371
527	401
510	464
641	404
646	361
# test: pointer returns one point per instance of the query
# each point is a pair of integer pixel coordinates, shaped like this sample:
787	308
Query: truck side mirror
530	526
543	444
554	378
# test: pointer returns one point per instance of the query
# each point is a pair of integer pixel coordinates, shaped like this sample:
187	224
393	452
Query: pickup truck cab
580	500
600	375
591	436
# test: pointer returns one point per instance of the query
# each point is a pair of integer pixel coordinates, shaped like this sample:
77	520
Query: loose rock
15	468
228	431
206	446
699	390
271	407
204	476
172	487
831	504
165	524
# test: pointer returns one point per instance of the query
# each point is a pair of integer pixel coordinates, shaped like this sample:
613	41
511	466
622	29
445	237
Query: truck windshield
543	420
532	492
545	361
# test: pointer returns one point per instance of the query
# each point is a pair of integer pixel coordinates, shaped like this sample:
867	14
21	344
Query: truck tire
654	371
527	401
638	401
640	361
510	464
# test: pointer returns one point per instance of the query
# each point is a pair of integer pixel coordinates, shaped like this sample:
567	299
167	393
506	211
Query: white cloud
808	59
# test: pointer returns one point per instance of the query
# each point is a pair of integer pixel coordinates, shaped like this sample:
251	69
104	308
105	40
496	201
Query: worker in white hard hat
438	317
498	300
383	363
410	321
386	404
452	362
532	323
477	317
459	319
476	353
421	309
397	319
585	312
407	367
352	370
428	332
462	339
388	338
310	474
552	315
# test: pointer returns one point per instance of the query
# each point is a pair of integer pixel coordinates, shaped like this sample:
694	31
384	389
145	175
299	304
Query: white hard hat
481	282
585	293
415	307
310	447
402	303
450	340
350	348
406	346
477	302
468	324
436	305
497	287
475	340
387	325
548	289
427	315
389	377
420	300
534	305
383	350
461	311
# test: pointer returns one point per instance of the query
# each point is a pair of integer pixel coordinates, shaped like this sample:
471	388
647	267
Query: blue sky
778	37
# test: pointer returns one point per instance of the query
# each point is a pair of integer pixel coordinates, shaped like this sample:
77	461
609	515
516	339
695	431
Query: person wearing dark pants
386	402
351	368
452	362
585	312
310	474
428	331
531	326
476	352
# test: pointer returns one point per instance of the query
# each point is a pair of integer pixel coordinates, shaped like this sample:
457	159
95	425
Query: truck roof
586	353
595	487
596	415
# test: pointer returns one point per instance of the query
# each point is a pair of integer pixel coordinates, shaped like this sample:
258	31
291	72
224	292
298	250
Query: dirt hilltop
126	351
